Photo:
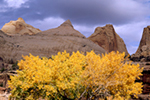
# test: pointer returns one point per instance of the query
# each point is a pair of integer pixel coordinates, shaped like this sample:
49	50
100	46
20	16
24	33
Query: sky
129	17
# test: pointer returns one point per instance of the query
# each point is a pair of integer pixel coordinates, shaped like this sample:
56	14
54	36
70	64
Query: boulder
19	27
143	50
107	38
46	43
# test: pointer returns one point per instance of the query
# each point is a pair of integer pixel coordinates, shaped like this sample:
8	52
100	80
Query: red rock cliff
107	38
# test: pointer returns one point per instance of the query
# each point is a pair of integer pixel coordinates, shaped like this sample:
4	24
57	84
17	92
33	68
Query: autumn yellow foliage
66	76
111	75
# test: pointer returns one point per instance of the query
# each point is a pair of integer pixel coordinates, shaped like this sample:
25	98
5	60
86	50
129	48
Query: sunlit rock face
107	38
19	27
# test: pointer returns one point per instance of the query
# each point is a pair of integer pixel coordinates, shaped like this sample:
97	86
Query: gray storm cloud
84	12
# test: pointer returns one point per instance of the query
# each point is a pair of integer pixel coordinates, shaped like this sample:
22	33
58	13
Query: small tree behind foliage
66	76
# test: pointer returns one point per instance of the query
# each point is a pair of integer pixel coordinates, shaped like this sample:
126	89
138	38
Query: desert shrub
66	76
111	75
56	78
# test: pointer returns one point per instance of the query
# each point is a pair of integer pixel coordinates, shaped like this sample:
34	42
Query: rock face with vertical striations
19	27
46	43
107	38
143	51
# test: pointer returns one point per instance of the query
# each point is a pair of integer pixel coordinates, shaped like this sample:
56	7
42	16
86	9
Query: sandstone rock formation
143	55
46	43
19	27
65	29
143	51
107	38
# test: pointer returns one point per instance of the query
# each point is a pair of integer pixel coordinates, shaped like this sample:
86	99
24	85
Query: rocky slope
45	43
19	27
107	38
143	51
